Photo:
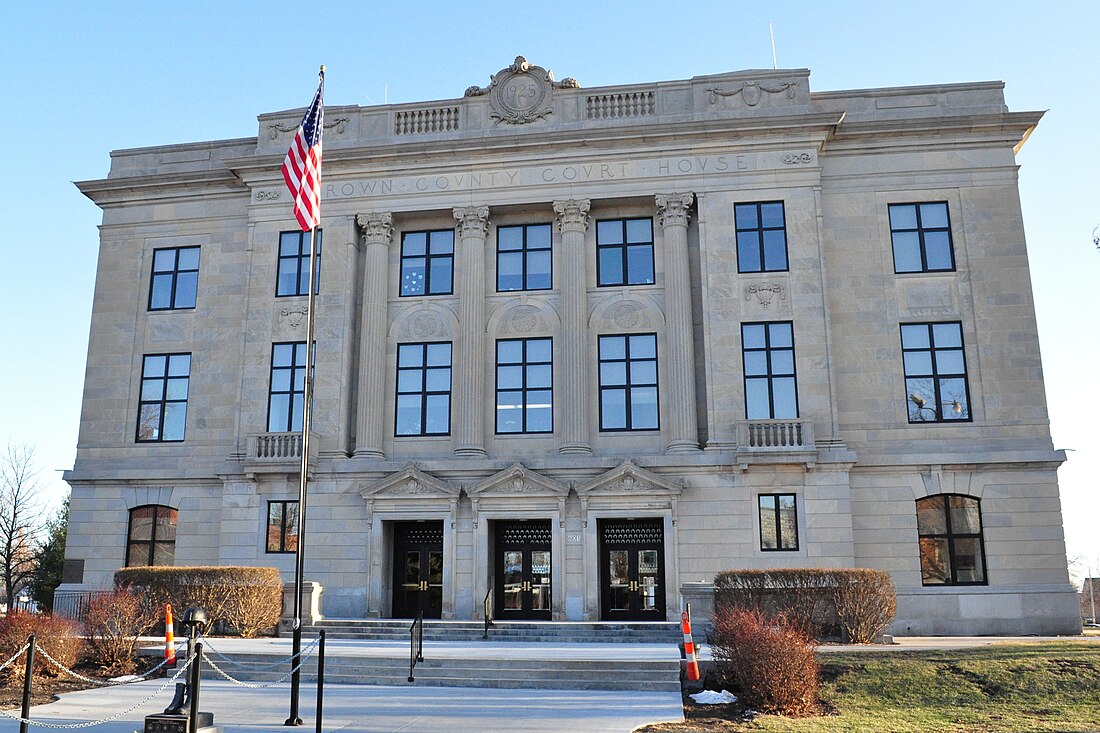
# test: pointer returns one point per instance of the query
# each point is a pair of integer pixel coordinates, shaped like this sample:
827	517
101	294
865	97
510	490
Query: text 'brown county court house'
580	349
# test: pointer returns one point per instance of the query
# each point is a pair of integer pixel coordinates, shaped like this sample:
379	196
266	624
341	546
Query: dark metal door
418	569
522	574
632	575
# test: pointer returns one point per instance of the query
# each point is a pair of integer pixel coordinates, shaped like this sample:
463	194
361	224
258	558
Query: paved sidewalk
931	643
363	709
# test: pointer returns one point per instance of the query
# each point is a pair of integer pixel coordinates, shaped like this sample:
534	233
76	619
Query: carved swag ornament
521	93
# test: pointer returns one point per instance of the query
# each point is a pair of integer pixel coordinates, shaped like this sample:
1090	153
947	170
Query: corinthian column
369	428
473	226
572	222
672	211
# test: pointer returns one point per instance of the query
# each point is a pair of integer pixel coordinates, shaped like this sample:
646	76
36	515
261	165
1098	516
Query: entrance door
522	582
632	575
418	569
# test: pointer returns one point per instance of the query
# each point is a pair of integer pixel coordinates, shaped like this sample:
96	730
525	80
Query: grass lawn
1010	688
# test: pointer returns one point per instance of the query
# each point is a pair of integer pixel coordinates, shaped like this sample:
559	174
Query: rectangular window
523	257
525	379
936	387
175	282
294	264
282	526
286	395
162	409
771	392
778	522
761	237
628	382
427	262
624	252
423	389
921	237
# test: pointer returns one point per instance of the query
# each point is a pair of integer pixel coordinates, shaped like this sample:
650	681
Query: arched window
952	551
151	538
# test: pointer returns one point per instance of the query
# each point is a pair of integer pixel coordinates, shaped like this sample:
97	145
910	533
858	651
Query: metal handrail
416	643
488	605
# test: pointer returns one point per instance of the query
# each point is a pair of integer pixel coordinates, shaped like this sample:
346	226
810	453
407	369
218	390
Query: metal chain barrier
116	716
101	683
305	655
15	656
257	667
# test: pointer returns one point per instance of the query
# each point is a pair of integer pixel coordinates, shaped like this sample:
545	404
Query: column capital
672	208
377	227
572	214
473	221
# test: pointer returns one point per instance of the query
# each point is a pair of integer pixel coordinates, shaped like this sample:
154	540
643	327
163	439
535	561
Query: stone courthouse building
580	349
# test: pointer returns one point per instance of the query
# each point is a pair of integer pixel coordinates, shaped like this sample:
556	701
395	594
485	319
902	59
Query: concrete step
520	631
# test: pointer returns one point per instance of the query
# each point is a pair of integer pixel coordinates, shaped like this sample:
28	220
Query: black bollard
27	685
296	675
320	678
193	711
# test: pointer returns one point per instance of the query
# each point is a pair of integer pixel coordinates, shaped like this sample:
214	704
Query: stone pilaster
473	227
572	220
683	430
370	417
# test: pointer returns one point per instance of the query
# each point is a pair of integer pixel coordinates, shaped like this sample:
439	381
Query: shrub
767	660
865	603
822	602
57	636
247	599
113	622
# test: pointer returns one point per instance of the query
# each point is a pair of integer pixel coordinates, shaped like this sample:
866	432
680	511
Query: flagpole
307	418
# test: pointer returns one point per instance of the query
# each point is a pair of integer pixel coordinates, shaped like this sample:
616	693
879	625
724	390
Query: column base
470	451
575	448
682	446
368	453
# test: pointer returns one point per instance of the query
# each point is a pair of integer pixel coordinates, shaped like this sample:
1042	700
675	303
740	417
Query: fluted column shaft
672	211
369	424
473	227
572	220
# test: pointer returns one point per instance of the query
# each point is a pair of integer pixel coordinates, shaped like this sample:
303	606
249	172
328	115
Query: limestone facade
529	150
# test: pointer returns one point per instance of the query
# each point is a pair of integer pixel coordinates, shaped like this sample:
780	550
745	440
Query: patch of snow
710	697
125	678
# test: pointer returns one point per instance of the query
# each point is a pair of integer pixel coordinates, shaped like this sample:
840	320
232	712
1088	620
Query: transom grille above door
633	531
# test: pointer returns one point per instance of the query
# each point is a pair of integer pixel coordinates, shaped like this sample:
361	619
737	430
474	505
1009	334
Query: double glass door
522	582
418	569
632	570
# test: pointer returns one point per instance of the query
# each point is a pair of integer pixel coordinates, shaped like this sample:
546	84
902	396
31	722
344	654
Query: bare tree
20	518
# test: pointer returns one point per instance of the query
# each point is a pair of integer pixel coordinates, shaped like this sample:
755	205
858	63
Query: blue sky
82	79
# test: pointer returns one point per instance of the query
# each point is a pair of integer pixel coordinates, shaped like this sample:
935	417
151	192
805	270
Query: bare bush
113	623
865	603
768	661
57	636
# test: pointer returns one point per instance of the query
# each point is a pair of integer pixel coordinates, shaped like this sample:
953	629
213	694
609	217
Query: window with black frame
952	548
175	278
294	264
282	526
427	262
151	536
624	252
286	394
162	407
761	237
423	389
771	390
920	235
628	382
934	362
525	381
523	257
778	522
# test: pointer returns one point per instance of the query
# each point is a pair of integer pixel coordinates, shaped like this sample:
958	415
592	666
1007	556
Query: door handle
423	585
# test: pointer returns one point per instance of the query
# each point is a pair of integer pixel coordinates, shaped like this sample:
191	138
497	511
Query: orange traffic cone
689	647
169	636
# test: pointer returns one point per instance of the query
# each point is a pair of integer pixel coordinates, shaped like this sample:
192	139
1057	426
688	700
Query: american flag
302	167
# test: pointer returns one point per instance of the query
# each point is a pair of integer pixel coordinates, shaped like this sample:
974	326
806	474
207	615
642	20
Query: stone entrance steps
533	671
558	632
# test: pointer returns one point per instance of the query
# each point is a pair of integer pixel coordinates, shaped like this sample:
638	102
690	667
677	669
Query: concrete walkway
359	709
931	643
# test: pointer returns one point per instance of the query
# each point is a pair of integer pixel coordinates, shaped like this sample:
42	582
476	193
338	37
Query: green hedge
247	599
853	603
